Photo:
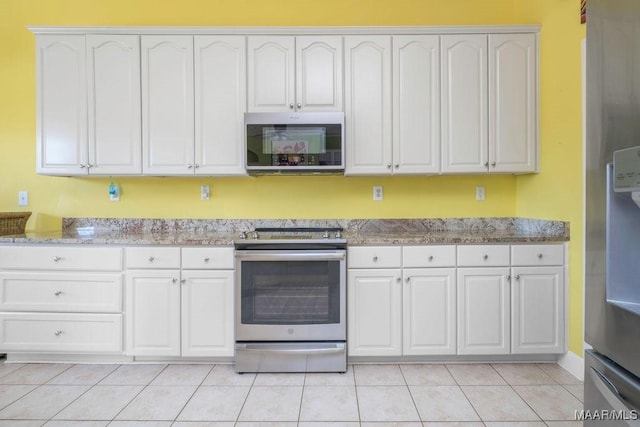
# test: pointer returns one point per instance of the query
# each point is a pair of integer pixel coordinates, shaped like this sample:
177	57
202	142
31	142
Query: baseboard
572	363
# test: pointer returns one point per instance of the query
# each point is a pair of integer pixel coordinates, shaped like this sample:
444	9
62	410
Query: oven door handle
289	256
277	349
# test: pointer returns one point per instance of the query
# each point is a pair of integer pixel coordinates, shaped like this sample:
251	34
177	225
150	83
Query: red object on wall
583	11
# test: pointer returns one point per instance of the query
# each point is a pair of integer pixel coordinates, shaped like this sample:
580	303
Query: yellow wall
547	195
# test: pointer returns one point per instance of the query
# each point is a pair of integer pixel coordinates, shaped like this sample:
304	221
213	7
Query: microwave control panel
626	169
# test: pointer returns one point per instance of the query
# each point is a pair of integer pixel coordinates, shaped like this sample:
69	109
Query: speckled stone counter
222	232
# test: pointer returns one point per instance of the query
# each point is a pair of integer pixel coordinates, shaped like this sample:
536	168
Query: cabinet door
416	104
115	139
512	102
374	313
464	103
153	312
483	311
429	311
271	73
537	296
61	105
319	73
207	313
368	105
220	99
167	105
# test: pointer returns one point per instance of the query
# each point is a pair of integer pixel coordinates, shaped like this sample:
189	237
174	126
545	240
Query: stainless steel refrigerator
612	281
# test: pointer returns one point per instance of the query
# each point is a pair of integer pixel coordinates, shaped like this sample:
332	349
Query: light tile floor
195	395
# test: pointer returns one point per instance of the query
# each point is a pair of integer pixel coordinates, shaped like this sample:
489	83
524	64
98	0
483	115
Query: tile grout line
175	419
518	394
255	376
465	395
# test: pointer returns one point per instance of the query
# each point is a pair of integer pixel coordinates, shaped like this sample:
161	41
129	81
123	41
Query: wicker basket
13	222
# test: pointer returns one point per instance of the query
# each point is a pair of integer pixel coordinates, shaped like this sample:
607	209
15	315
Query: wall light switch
377	193
205	192
480	192
23	198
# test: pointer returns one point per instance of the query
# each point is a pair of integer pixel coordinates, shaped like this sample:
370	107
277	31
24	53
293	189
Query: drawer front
53	332
429	256
532	255
374	257
207	258
65	292
153	257
60	258
483	255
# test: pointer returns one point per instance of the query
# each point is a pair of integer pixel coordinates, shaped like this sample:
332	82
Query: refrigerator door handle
609	391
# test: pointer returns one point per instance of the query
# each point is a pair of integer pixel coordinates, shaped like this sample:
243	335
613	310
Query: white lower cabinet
483	310
374	316
173	312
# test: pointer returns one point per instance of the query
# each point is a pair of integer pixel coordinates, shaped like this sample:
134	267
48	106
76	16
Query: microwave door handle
302	256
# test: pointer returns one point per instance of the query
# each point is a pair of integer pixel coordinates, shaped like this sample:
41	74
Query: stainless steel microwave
294	142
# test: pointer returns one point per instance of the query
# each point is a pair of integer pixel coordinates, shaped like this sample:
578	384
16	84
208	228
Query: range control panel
626	169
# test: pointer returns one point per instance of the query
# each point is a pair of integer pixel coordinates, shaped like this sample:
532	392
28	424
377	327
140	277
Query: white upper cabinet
289	73
220	103
464	103
113	69
61	105
368	105
489	103
512	103
167	105
416	104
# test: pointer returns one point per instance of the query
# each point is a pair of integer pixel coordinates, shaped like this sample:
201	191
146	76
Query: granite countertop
218	232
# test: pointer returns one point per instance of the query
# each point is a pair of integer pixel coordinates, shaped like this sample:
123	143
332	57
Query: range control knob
338	234
325	235
255	235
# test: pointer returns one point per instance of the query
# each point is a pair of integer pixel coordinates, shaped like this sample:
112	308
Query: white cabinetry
179	313
61	105
289	73
416	104
368	105
375	301
489	103
57	299
483	300
429	300
537	299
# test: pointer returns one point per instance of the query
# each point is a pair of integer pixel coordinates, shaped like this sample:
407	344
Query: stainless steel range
290	300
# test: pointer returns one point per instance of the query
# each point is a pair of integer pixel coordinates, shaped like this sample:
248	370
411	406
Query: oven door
290	295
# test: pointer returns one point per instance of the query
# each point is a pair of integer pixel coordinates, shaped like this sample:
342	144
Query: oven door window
290	292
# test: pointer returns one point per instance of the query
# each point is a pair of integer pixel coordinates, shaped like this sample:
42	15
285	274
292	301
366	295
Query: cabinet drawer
66	292
483	255
207	258
153	257
54	332
531	255
428	256
374	257
60	258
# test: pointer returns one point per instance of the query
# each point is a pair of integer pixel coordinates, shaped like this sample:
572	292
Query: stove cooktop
291	238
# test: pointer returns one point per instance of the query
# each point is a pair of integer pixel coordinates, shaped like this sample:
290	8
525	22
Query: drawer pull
430	258
539	256
57	259
57	293
174	280
151	259
207	259
398	279
183	281
485	257
408	279
57	333
375	259
508	278
517	276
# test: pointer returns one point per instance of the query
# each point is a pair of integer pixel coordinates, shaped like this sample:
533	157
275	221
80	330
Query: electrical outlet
377	192
23	198
205	192
480	192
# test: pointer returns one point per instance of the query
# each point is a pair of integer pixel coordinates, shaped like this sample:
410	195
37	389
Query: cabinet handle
174	280
189	166
89	165
57	293
291	106
493	164
486	164
430	258
539	256
151	259
408	279
508	278
388	165
82	166
517	276
197	166
183	281
57	259
397	166
299	105
375	259
57	333
398	279
207	259
485	257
